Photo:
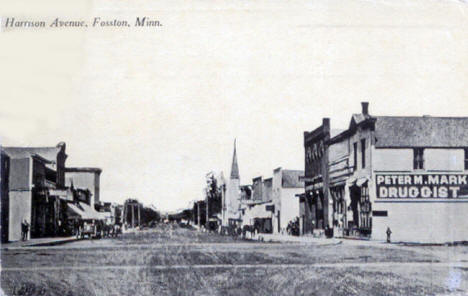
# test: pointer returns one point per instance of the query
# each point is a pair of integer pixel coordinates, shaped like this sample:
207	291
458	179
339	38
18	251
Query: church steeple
234	167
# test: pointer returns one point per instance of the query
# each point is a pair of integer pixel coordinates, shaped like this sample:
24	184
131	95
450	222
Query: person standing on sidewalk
24	230
389	233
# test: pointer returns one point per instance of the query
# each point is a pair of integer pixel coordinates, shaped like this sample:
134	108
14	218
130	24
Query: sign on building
422	185
62	194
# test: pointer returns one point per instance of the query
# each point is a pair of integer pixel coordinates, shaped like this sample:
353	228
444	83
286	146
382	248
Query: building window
355	155
466	158
364	194
363	153
418	161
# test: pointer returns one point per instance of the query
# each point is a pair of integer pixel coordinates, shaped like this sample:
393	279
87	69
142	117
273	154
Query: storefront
407	175
317	214
421	207
45	214
77	212
339	210
259	216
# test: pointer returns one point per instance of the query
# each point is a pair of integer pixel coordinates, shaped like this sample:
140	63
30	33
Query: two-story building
286	185
258	210
406	174
315	209
419	178
85	178
273	204
34	177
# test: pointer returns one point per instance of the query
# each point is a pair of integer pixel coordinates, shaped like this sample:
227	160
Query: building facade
4	193
315	208
406	174
273	203
34	177
257	189
85	178
286	185
418	184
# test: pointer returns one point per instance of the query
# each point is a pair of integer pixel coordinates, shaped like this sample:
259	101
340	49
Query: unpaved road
175	261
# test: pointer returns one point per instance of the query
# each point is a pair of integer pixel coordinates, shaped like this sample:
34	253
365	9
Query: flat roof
83	170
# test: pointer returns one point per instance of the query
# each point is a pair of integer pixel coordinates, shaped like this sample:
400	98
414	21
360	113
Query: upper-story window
466	158
418	160
363	153
355	155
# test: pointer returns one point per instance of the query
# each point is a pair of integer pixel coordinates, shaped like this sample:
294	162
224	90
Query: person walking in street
389	233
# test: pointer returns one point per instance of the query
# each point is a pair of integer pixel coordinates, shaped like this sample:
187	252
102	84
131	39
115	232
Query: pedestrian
389	233
25	229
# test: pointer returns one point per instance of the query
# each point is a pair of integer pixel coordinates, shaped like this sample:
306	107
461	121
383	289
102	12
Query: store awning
73	212
64	194
316	186
351	181
257	211
361	181
82	211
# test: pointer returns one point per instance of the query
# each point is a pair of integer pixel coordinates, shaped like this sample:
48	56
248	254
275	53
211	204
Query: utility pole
207	211
198	211
133	215
139	221
124	212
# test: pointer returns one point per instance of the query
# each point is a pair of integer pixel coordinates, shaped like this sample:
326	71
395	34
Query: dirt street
170	260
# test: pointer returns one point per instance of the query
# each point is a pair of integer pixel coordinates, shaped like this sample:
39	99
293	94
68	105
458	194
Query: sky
158	108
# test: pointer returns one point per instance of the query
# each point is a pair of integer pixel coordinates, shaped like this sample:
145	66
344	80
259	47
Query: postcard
234	147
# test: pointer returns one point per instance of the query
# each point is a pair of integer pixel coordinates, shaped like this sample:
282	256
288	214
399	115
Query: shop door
319	220
279	221
355	193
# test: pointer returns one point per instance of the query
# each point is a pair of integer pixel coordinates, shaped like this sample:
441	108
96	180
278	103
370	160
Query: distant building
409	174
267	189
109	211
131	216
257	189
231	199
246	193
274	203
286	185
199	213
258	214
85	178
